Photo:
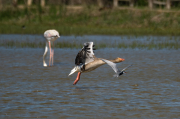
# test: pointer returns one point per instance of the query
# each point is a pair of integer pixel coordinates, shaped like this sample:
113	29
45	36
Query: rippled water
150	89
93	38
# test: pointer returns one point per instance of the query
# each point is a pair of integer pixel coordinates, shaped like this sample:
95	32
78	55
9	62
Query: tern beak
73	71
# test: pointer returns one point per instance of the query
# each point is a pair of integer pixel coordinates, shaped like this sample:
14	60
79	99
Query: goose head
117	60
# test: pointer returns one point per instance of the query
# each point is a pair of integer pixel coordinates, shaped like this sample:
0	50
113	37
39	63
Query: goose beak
121	59
73	71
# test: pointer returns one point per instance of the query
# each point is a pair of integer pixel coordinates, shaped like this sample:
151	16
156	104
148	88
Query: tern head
75	69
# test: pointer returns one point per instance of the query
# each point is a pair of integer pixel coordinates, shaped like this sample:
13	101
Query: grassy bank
90	20
167	44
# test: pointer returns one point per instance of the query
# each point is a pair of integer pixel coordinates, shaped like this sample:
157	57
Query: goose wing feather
86	55
113	65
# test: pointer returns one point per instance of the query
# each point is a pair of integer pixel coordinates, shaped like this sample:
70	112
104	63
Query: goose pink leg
77	79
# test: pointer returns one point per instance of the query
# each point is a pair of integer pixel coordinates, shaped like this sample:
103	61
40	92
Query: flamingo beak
73	71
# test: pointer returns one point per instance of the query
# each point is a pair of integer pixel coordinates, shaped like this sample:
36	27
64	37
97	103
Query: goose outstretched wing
113	65
86	55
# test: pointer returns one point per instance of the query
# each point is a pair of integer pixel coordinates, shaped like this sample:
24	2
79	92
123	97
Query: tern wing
126	67
113	65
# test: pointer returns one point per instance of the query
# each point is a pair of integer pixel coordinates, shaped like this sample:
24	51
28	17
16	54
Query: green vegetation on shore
167	44
90	20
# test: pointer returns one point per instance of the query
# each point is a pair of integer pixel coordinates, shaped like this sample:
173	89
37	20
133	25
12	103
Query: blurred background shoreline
89	17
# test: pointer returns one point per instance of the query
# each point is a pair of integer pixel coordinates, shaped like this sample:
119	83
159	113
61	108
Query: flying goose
86	61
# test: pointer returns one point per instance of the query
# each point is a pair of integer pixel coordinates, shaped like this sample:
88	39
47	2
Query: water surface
150	89
94	38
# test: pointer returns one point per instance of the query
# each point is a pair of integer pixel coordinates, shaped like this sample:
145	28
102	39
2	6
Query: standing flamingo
51	36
